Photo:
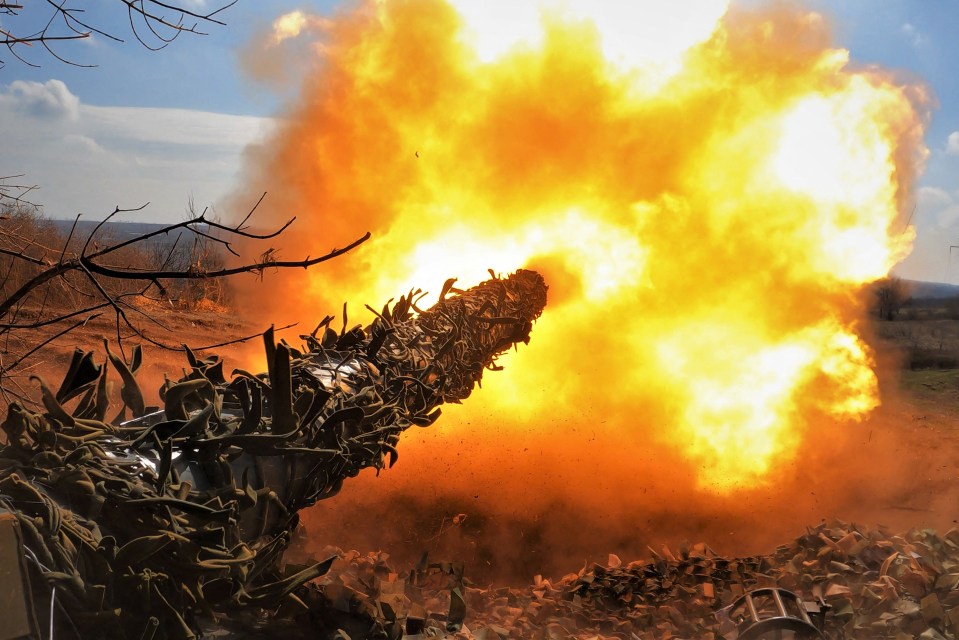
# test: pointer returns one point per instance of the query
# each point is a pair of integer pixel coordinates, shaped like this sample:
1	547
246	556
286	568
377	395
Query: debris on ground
877	585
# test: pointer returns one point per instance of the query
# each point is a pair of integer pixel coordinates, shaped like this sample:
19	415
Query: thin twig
46	342
245	339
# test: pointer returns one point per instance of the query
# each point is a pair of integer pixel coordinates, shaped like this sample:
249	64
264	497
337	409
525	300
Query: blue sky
169	126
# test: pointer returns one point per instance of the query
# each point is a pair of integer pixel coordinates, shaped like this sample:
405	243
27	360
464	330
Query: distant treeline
25	233
900	299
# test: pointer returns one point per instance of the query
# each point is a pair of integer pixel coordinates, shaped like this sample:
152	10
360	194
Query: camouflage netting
175	520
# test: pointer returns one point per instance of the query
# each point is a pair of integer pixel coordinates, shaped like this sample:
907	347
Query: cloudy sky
169	127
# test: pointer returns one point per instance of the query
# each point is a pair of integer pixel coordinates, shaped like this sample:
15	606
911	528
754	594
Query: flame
295	23
289	25
704	188
645	36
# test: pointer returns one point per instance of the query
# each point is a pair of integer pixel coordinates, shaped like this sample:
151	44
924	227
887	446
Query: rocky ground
874	584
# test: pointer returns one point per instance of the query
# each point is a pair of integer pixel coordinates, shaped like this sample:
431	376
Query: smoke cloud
706	219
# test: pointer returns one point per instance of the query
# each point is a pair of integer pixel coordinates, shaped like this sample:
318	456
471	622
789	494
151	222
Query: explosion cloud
706	190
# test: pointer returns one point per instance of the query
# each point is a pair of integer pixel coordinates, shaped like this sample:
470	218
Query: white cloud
952	144
947	217
937	225
172	126
938	207
50	100
916	37
90	159
931	198
83	143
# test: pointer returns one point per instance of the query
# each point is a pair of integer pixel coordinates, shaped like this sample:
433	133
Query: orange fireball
704	187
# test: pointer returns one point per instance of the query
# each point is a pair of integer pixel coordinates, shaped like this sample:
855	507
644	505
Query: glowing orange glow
651	37
736	426
289	25
703	201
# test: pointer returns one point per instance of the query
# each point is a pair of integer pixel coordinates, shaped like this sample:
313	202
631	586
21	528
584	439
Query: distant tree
154	23
13	194
952	307
201	252
891	294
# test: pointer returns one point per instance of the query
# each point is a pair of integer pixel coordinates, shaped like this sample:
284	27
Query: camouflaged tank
173	524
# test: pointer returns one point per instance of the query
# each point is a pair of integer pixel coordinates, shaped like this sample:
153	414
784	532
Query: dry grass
923	344
168	312
40	243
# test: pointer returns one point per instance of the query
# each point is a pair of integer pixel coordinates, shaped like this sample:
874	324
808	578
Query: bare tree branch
154	24
244	338
86	279
40	346
14	194
254	267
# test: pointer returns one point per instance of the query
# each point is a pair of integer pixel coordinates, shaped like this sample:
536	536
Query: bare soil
165	325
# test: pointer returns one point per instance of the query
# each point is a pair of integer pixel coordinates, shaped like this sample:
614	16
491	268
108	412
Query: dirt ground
165	325
920	361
